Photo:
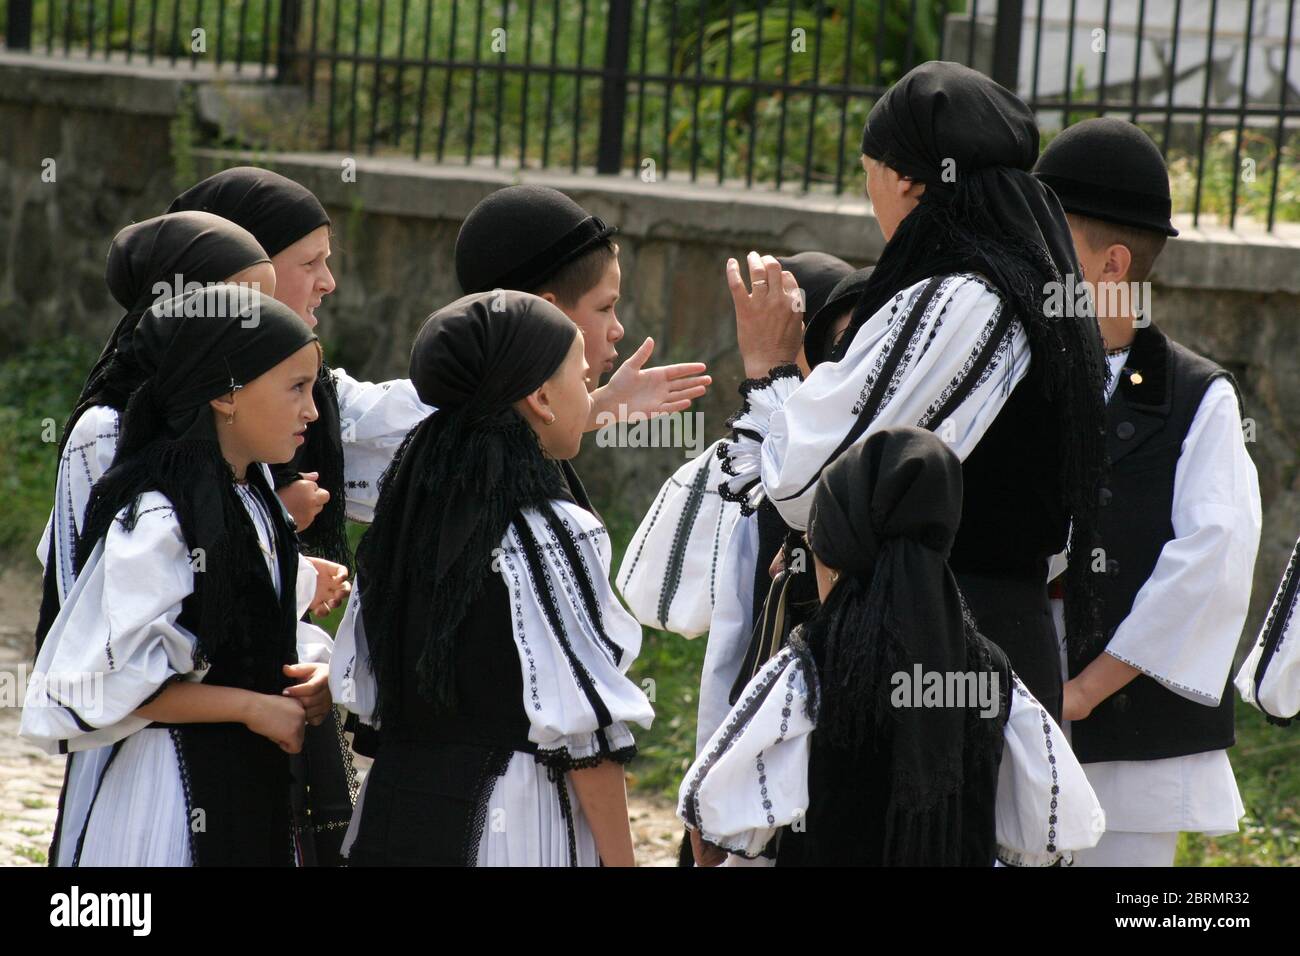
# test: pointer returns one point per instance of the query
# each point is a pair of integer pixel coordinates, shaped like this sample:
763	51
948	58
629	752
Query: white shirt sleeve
116	641
670	571
1186	620
351	682
89	453
751	777
1046	808
1279	686
788	431
574	640
374	419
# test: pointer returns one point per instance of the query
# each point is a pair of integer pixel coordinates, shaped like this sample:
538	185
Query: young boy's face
594	314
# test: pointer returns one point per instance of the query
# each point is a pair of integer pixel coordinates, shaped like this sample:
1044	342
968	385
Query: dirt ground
30	780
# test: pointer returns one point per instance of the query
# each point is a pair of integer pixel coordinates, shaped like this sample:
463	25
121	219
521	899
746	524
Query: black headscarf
458	479
843	297
520	236
199	346
973	144
279	212
274	208
884	516
817	274
198	247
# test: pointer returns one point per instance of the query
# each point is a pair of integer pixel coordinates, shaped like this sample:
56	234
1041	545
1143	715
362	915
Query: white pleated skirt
525	823
139	817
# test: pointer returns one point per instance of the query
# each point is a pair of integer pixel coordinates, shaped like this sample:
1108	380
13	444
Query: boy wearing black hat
536	239
1151	714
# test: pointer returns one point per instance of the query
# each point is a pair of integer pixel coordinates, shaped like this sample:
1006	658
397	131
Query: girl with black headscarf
145	262
889	732
177	653
483	637
335	474
952	332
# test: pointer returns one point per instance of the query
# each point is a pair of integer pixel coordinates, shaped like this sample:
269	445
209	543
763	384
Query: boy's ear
1119	259
549	297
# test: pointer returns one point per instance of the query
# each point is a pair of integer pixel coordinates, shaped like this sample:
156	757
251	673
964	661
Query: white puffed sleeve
574	638
351	682
1045	808
115	643
1269	678
751	778
944	355
89	452
374	418
670	571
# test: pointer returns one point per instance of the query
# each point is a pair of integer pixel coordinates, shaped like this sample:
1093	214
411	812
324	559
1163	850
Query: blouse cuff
315	646
741	455
582	751
1010	857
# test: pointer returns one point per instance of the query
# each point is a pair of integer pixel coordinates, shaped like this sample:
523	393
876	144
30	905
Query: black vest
1013	519
1146	423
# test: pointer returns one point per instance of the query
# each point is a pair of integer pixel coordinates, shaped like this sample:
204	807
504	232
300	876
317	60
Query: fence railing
771	93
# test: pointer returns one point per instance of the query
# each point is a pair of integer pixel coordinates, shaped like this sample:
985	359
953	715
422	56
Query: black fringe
449	463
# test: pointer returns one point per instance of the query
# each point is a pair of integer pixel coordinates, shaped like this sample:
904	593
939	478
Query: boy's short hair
575	279
1144	245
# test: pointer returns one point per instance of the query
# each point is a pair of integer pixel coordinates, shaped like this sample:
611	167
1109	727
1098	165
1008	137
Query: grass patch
39	385
33	853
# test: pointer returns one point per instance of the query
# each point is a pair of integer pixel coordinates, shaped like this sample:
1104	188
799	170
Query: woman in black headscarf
329	480
145	263
881	728
480	560
952	332
186	546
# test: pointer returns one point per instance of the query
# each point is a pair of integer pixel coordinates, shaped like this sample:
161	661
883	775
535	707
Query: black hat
841	298
1108	169
817	274
520	236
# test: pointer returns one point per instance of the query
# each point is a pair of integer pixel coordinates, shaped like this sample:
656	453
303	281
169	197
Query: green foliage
39	385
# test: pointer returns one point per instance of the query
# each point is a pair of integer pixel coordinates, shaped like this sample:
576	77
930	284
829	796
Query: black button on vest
1148	421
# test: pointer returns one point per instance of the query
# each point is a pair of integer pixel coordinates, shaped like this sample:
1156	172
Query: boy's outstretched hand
636	390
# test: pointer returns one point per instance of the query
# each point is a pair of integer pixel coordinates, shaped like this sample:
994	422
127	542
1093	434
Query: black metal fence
770	93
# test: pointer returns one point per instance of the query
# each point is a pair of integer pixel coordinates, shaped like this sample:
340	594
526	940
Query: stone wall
122	138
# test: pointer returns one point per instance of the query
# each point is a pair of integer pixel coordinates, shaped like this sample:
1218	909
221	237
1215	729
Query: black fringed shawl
973	144
884	516
457	481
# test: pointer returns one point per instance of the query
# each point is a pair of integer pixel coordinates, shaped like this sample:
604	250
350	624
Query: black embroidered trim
174	733
517	593
1275	628
551	609
1051	759
559	528
566	809
973	372
741	717
677	552
907	331
560	761
99	785
495	764
654	518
